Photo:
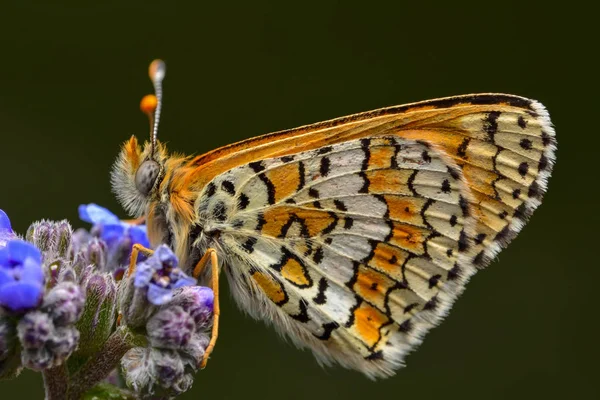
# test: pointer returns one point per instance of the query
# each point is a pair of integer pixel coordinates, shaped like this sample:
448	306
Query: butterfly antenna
151	104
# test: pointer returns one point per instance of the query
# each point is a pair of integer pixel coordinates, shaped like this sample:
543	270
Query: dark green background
71	77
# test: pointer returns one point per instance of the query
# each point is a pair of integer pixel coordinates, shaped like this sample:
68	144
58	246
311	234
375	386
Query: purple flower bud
170	328
196	348
198	301
79	239
168	367
63	343
62	238
98	316
34	329
44	344
37	359
134	365
40	233
67	274
96	254
64	303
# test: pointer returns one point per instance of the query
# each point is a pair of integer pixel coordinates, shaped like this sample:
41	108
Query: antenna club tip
148	104
157	70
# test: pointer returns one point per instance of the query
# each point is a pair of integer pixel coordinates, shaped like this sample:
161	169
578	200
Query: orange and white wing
356	242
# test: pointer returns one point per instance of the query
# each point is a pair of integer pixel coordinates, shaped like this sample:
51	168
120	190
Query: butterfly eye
146	176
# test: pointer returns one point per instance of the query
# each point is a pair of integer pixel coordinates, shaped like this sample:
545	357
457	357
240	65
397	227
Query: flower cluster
65	302
178	338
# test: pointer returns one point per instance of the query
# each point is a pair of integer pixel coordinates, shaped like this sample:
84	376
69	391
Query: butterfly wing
354	236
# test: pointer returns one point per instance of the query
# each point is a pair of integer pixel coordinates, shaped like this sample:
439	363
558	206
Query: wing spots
321	298
249	244
270	187
461	151
365	144
490	124
521	122
463	242
257	166
366	183
302	316
314	193
372	286
409	237
454	273
325	150
406	209
523	169
318	256
367	322
324	166
526	144
446	186
219	213
285	180
339	205
228	187
425	156
328	328
301	174
271	287
210	190
243	201
287	159
480	238
381	157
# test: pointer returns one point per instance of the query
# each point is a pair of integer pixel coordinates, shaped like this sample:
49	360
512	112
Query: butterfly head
139	169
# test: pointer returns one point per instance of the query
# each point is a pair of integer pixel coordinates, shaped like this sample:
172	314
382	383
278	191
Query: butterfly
353	237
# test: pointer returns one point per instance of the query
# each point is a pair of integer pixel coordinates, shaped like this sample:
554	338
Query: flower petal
166	256
19	296
139	235
158	295
112	232
206	296
143	275
180	280
5	276
19	250
95	214
32	272
4	222
4	256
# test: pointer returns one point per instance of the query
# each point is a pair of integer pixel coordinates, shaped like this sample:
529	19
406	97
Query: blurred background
72	74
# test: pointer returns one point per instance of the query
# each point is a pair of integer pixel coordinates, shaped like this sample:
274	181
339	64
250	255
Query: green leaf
104	391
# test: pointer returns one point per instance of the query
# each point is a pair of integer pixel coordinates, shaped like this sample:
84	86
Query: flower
118	235
160	275
6	232
21	276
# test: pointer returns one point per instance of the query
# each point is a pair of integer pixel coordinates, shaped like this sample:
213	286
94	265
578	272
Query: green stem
56	382
107	359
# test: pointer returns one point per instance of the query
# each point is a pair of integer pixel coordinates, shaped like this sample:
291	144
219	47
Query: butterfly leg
137	248
214	263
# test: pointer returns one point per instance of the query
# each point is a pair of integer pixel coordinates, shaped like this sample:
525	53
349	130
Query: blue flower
21	276
160	275
118	235
6	232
